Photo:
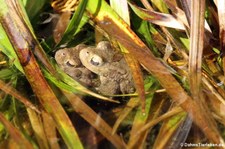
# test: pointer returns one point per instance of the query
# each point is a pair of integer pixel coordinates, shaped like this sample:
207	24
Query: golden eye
96	60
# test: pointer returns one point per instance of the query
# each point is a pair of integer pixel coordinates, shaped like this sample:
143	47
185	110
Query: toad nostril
87	53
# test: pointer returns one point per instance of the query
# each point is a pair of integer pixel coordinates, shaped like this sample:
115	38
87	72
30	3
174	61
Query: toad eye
96	60
63	54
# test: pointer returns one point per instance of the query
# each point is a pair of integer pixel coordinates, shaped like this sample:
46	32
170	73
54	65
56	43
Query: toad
68	60
114	74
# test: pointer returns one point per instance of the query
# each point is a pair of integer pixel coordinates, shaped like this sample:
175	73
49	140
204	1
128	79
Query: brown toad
115	76
68	60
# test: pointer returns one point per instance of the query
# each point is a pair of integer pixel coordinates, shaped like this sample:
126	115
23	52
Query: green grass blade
74	23
33	7
8	50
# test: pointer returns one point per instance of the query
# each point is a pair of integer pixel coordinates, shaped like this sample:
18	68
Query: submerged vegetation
174	49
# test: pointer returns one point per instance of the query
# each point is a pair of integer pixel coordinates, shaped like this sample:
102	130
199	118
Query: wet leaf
161	19
138	78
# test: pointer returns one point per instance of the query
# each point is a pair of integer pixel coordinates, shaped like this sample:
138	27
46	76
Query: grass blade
121	7
94	119
74	23
221	13
33	7
132	103
10	90
161	19
196	47
173	112
37	126
168	129
8	50
50	130
160	4
177	12
139	121
22	41
15	134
